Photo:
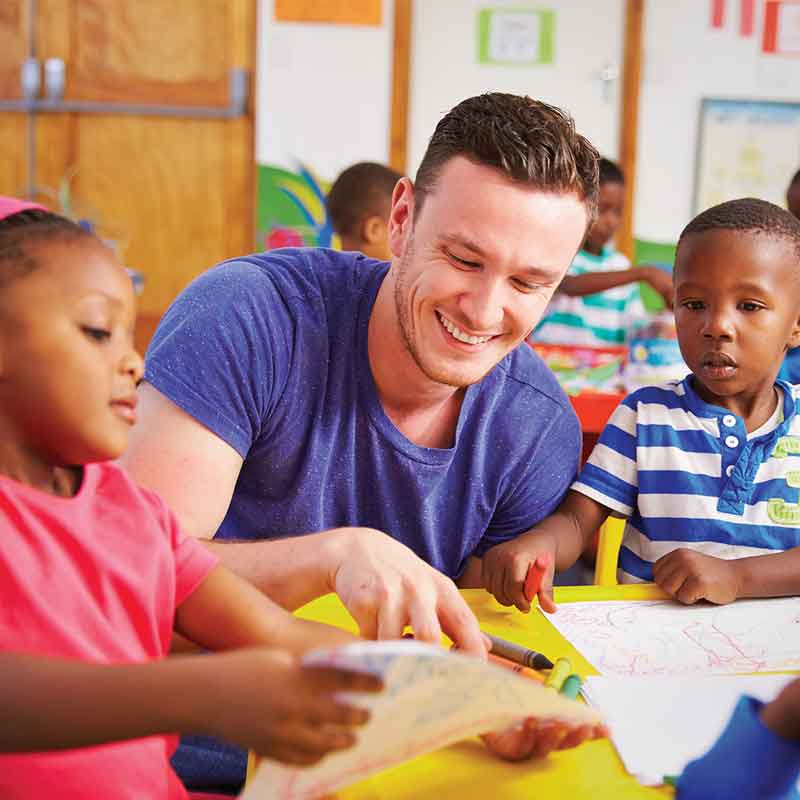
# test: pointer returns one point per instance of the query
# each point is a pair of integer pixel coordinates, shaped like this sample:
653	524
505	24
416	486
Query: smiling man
334	423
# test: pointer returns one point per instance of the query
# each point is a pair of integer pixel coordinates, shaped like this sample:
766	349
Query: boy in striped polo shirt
706	470
599	299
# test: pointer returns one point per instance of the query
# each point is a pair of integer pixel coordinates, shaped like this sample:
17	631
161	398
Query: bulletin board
745	148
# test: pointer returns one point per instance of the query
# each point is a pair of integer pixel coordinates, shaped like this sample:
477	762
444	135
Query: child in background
358	207
94	572
95	575
599	298
790	371
706	470
757	757
793	195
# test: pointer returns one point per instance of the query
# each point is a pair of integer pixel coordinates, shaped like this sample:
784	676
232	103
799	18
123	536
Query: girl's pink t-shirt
95	577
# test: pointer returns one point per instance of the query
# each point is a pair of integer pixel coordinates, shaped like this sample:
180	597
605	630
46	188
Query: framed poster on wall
745	148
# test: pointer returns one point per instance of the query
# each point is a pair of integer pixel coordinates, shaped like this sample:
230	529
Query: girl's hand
530	738
267	701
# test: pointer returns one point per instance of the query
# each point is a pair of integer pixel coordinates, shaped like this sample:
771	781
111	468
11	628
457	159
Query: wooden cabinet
175	193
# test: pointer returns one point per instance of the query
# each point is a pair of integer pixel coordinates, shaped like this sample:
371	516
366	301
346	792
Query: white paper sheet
666	638
659	724
432	698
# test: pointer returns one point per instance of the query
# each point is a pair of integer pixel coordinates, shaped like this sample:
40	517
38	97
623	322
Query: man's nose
484	305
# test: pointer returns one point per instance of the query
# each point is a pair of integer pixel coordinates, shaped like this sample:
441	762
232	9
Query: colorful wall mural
290	208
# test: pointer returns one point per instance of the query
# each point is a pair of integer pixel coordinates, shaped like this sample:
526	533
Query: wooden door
13	127
175	194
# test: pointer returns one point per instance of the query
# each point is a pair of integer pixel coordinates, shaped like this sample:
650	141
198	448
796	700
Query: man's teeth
456	333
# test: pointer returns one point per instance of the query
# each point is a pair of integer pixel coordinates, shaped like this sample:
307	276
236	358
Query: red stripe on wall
717	13
747	13
770	38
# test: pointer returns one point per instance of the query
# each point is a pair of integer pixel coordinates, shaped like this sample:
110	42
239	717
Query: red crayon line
534	576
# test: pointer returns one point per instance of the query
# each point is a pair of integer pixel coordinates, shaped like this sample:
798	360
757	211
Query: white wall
686	60
323	92
445	68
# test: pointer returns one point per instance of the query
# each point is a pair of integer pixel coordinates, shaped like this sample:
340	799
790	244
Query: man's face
473	274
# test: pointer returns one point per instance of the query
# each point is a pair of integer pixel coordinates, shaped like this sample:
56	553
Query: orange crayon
534	576
526	672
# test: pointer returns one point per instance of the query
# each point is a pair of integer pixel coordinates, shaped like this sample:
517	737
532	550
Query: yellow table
466	770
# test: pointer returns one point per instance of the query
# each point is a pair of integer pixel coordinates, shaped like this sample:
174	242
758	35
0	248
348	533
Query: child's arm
594	282
225	612
690	576
563	535
257	698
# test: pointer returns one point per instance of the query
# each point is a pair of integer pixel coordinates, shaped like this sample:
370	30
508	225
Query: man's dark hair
747	214
29	227
529	141
610	172
362	190
795	178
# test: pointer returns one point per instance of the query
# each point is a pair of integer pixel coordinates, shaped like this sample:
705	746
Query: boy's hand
505	566
690	576
782	715
530	738
266	700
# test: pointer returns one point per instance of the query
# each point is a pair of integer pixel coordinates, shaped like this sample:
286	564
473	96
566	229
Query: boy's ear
373	230
401	216
794	337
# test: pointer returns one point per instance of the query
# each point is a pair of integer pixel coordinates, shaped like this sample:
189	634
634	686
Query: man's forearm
290	571
55	703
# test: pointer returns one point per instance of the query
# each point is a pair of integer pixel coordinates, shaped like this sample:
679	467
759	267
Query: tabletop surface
466	770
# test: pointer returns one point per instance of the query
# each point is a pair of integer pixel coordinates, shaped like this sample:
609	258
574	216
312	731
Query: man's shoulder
529	377
299	270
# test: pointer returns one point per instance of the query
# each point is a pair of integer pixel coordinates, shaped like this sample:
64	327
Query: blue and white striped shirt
687	474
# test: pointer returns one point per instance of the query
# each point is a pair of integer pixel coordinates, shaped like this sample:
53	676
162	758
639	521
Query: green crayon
571	686
558	674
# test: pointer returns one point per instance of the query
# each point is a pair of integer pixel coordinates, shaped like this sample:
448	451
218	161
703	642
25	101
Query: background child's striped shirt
597	320
687	474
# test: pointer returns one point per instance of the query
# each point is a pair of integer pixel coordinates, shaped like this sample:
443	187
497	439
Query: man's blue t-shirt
269	352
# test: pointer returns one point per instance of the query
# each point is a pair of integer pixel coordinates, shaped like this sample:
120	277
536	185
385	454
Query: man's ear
401	216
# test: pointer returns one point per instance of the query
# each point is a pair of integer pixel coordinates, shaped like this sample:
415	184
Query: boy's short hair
361	191
530	142
31	226
747	214
609	172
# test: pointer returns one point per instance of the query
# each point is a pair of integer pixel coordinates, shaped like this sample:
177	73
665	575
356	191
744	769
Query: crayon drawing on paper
665	638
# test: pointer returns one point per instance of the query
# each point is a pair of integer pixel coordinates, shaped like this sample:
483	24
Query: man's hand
385	587
530	738
660	280
269	702
690	576
505	566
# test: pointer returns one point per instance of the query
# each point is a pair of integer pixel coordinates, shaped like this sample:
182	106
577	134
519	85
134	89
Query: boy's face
737	302
610	202
68	370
